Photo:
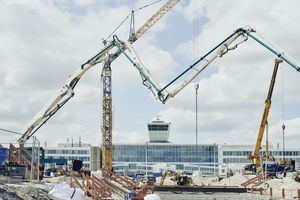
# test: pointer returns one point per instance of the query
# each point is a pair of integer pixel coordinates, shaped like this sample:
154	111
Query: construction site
25	173
172	185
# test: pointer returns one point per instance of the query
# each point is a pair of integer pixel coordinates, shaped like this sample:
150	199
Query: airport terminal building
158	154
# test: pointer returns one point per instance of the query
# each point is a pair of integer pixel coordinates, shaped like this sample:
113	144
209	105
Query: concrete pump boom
222	48
67	91
62	96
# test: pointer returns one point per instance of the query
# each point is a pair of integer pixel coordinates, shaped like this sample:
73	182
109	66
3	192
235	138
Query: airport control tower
158	131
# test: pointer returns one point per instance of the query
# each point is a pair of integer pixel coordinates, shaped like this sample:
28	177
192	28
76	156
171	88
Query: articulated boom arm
222	48
264	120
66	92
62	96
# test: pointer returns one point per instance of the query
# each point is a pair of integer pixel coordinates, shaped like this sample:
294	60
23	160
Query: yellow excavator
177	177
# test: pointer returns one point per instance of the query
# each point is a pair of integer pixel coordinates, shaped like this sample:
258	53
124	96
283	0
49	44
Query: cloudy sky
43	42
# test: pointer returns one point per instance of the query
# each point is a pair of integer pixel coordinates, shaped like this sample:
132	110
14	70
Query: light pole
214	161
196	88
147	159
277	149
283	153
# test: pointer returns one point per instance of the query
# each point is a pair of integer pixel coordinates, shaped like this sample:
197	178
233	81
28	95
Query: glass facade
158	127
230	156
165	153
152	157
172	154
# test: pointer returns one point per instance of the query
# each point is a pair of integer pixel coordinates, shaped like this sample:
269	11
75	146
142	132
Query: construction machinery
67	91
257	160
255	157
276	169
178	178
224	172
218	51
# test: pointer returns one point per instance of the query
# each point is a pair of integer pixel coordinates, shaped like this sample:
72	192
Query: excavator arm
163	177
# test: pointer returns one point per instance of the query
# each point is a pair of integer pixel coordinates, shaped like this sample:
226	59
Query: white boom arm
63	95
163	95
66	92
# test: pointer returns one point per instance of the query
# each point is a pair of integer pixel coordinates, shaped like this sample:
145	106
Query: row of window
271	153
243	160
154	127
69	151
82	158
135	167
236	160
183	159
151	154
154	148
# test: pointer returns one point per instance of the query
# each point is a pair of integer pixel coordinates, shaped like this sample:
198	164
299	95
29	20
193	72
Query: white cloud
51	40
132	138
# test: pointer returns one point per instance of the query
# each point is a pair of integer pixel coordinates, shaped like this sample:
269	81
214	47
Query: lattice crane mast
107	82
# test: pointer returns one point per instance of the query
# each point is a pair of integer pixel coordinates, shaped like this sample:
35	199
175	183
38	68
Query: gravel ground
238	179
219	196
235	180
23	192
36	190
39	190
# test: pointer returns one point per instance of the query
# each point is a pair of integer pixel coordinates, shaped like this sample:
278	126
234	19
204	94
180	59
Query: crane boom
218	51
159	14
264	120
